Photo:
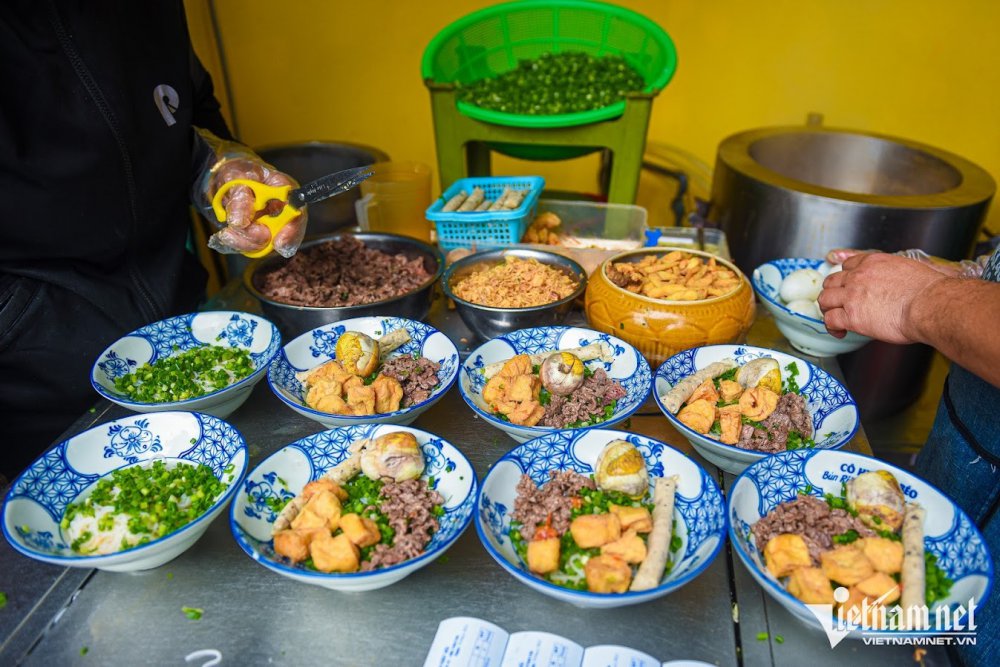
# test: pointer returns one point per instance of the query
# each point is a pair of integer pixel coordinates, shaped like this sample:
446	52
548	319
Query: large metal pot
801	191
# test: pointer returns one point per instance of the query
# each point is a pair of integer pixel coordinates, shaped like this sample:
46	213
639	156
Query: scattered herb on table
762	636
3	600
193	613
188	374
84	650
779	639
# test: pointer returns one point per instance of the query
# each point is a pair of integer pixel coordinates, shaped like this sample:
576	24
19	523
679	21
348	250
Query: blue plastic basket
487	229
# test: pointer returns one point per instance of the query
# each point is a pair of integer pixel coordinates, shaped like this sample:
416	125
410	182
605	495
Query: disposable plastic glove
224	162
966	268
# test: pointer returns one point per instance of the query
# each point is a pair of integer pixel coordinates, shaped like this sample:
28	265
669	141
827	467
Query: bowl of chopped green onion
127	495
204	362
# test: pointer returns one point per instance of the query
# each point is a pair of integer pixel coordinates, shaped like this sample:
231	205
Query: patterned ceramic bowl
659	328
698	511
281	475
949	534
833	410
66	473
169	337
628	368
318	346
805	333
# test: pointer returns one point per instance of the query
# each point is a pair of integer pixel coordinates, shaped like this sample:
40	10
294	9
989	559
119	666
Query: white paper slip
467	642
617	656
541	649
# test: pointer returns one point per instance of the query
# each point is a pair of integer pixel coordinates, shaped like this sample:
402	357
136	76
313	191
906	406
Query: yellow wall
922	69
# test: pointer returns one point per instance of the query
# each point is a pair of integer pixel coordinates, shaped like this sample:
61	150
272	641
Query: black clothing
97	157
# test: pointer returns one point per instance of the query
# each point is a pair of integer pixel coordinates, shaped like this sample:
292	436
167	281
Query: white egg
802	284
806	307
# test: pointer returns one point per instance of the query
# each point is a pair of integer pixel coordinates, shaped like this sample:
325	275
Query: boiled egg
801	284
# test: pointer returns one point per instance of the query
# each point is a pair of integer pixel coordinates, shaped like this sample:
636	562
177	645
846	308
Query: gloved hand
224	162
964	269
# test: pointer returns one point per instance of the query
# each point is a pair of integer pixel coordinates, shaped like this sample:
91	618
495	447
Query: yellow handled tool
294	199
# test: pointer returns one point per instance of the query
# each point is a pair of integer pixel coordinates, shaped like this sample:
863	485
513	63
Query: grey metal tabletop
61	616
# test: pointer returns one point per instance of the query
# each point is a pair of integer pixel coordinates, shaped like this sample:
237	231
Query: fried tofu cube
360	530
524	388
705	391
698	416
731	424
629	547
543	555
326	505
729	390
361	400
595	530
323	483
846	565
885	555
859	609
607	574
308	520
785	553
292	544
633	518
334	554
877	585
810	585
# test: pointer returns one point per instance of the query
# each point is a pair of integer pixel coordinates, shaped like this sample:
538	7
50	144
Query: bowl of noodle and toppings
203	362
737	404
355	508
600	518
868	545
534	381
127	495
366	370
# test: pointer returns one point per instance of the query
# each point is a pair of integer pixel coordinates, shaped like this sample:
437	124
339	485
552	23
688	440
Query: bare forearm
961	319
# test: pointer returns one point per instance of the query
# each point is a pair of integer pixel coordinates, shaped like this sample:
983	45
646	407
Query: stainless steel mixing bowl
293	320
488	322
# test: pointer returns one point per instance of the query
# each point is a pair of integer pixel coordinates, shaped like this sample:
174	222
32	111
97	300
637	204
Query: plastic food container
687	238
485	230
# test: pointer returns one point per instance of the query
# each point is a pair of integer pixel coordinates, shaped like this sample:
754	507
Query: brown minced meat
409	507
587	401
418	377
533	505
771	436
813	519
342	272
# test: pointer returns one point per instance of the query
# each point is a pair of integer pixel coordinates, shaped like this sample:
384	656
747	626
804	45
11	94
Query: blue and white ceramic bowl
283	474
318	346
166	338
628	367
699	508
68	472
806	334
948	532
833	410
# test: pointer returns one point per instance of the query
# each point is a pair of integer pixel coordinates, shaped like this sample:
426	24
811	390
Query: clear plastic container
586	224
687	237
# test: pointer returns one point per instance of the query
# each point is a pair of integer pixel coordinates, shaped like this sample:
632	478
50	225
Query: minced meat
585	403
342	272
418	377
409	507
771	435
813	519
533	506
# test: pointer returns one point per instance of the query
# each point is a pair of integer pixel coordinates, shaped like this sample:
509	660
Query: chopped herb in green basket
555	83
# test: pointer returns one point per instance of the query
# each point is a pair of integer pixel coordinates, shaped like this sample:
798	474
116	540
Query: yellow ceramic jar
660	328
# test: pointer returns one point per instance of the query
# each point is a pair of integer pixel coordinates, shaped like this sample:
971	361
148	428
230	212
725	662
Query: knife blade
328	186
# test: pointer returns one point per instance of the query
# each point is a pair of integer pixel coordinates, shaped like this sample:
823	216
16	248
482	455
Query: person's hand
874	294
242	232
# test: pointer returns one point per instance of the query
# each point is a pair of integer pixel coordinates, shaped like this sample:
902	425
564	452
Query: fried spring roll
651	569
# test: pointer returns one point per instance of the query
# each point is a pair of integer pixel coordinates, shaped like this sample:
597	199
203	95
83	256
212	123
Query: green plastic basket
491	41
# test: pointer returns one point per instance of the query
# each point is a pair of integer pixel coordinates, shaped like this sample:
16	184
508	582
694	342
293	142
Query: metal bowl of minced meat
499	291
342	276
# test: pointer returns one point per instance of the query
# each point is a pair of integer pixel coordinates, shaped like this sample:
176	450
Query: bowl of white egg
789	288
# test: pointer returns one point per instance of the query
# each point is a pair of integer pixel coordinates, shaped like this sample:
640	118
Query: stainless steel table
59	616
